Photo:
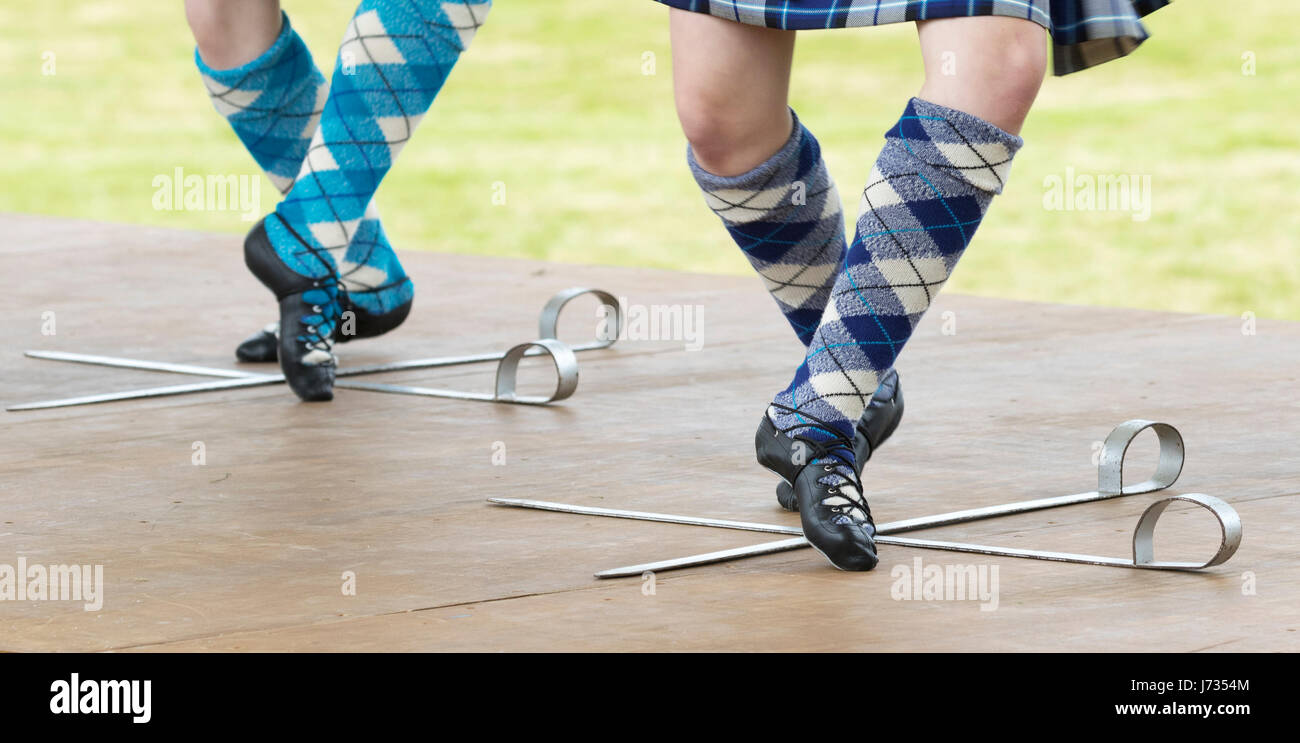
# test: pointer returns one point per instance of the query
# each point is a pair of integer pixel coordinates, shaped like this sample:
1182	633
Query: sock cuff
960	145
969	124
761	174
266	59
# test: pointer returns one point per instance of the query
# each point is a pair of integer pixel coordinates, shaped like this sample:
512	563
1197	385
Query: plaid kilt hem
1085	33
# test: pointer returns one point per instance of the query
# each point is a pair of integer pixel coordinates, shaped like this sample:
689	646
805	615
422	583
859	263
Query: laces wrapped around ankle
834	455
326	309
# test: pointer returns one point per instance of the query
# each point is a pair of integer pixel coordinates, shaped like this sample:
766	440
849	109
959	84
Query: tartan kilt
1085	33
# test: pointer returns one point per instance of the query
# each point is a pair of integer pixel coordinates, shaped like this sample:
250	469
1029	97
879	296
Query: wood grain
247	552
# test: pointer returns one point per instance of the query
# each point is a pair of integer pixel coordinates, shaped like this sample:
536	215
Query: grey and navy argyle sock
928	192
786	216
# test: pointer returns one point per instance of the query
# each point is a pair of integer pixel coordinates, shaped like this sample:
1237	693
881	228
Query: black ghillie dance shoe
835	517
263	346
309	311
875	426
260	347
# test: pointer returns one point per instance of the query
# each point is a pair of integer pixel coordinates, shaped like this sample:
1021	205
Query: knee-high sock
786	216
274	103
395	57
929	190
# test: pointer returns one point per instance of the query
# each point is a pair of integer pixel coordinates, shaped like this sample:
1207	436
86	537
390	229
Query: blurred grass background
553	102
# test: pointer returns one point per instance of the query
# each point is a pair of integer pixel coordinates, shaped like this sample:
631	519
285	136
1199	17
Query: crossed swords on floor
547	344
1110	469
1110	484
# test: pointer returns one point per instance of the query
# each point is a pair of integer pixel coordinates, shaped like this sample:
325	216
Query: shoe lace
835	455
326	298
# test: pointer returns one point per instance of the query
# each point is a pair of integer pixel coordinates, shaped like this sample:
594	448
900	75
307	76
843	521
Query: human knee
209	26
231	32
997	79
1018	66
726	139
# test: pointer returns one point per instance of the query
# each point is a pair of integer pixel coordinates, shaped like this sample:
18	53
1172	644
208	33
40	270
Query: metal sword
1143	545
1110	485
566	366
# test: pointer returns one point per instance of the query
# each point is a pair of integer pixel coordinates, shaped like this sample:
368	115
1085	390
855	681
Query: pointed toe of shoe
843	534
310	382
314	387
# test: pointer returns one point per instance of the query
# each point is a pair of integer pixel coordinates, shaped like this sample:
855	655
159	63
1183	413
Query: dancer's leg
730	84
395	57
232	33
261	77
762	173
997	67
761	170
929	190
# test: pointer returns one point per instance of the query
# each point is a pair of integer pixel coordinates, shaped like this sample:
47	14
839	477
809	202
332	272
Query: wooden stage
247	552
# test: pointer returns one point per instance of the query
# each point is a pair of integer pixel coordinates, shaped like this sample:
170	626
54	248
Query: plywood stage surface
247	552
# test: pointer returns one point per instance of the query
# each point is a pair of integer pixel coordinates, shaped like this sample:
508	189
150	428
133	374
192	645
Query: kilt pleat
1085	33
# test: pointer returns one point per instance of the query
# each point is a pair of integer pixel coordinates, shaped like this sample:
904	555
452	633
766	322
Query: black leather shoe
835	517
262	346
306	305
875	426
368	324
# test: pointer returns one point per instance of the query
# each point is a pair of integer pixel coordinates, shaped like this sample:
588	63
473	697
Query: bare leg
230	33
987	66
731	83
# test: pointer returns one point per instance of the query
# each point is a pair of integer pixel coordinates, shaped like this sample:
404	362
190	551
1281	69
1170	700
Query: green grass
552	102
